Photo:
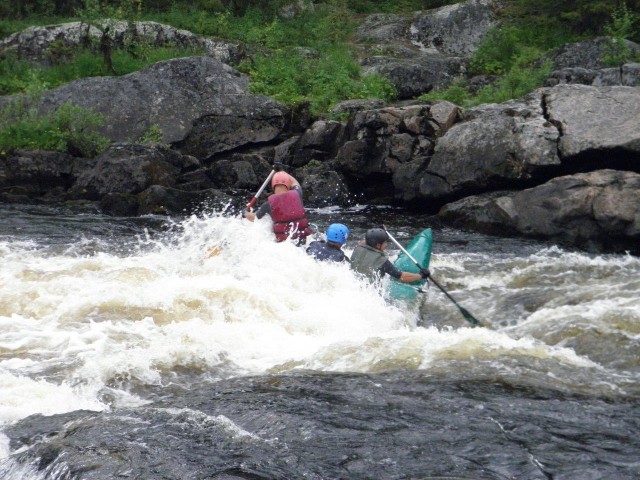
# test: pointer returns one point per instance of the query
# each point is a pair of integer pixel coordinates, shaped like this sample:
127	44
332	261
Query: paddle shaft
465	313
260	190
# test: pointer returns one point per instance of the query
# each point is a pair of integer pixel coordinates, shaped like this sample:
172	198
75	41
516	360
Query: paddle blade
468	317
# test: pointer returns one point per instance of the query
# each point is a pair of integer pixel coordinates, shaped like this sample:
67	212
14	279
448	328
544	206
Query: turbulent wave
87	324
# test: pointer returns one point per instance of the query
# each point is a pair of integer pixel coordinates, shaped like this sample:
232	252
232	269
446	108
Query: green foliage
511	44
519	81
456	93
321	81
394	6
578	16
69	128
19	76
93	10
623	22
622	27
152	135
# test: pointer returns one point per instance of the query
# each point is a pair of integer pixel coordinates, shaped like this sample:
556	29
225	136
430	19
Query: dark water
125	354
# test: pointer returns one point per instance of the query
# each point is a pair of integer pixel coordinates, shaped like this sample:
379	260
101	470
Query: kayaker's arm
294	182
404	277
408	277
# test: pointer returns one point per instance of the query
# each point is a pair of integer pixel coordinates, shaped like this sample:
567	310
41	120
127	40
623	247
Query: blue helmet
337	233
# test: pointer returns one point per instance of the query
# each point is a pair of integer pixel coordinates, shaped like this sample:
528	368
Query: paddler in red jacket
285	208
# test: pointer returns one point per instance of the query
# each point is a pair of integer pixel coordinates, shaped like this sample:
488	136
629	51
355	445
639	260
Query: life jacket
367	261
323	251
288	216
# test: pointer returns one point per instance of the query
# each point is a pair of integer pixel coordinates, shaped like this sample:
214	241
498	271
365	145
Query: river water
197	348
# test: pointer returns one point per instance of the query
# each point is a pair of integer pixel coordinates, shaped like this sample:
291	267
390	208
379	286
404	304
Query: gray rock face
383	28
35	173
430	50
627	75
502	146
589	54
380	141
492	146
592	118
599	209
131	169
43	43
454	30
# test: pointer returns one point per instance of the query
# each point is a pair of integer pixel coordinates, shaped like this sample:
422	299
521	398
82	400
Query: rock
46	43
589	54
350	107
597	210
627	75
593	119
418	75
551	130
199	104
318	143
130	169
428	51
494	146
36	173
323	187
454	30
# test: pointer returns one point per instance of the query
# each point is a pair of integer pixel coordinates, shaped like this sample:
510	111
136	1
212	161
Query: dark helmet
374	236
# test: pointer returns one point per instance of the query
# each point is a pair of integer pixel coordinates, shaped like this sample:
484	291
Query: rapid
204	320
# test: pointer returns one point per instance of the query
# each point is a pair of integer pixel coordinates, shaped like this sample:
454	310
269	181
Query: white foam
73	326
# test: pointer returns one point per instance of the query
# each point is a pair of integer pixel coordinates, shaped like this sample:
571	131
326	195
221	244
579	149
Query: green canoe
420	249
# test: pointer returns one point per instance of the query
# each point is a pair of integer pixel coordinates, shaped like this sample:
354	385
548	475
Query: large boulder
547	132
492	147
197	103
417	75
597	210
32	174
131	169
595	119
454	30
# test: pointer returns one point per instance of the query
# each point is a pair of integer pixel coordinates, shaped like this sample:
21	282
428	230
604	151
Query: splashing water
87	325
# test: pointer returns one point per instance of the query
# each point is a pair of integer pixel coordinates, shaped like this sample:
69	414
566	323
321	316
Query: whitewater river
197	348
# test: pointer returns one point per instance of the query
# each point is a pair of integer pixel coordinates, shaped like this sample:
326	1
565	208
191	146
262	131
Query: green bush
621	27
292	78
511	44
69	128
152	135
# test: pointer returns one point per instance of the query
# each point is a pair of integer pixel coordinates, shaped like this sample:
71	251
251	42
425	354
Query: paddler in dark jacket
369	259
331	249
285	208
